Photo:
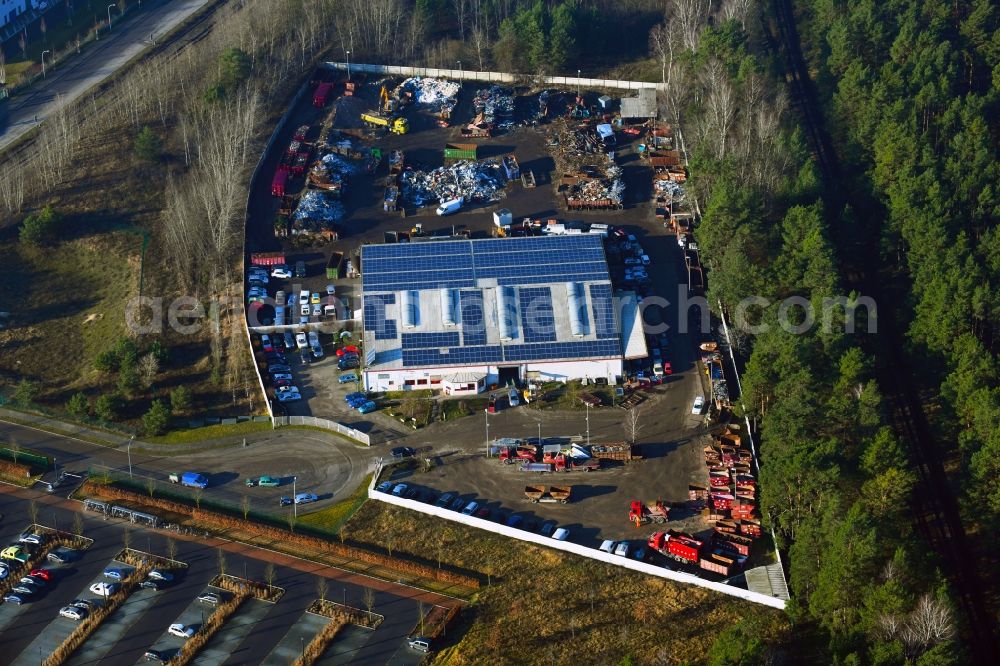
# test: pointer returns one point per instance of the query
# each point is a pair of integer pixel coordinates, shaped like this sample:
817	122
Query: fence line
495	77
576	549
327	424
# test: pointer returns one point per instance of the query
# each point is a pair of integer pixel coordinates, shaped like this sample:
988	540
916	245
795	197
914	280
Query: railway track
935	509
190	32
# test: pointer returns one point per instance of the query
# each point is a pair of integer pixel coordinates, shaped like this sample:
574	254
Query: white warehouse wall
379	380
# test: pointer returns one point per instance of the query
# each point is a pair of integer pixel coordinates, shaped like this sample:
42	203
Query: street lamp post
113	4
43	62
295	506
578	84
460	70
588	424
128	449
487	412
348	65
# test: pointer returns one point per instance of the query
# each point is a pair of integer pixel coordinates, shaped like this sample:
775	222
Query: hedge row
14	470
93	620
223	521
317	646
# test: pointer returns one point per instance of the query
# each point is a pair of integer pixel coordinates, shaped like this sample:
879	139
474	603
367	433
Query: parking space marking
233	632
345	646
60	628
195	614
113	628
299	635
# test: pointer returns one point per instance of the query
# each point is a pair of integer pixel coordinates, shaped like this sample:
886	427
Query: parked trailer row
685	548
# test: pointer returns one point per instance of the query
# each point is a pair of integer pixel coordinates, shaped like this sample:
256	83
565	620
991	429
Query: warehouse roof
643	106
488	301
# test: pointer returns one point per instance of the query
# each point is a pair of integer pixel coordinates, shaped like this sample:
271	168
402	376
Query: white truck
451	206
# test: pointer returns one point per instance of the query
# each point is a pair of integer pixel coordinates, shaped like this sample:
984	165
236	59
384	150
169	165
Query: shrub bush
109	406
78	405
41	228
157	420
148	145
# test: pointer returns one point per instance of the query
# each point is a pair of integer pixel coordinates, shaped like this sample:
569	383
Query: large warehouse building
462	315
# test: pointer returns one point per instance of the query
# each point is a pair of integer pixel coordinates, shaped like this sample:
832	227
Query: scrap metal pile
476	181
496	103
436	94
588	190
317	213
668	190
574	145
332	171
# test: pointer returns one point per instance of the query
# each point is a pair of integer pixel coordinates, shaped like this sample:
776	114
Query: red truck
511	454
322	95
676	545
280	182
648	512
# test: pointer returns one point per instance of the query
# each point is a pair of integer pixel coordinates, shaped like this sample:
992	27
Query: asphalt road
298	577
77	74
324	464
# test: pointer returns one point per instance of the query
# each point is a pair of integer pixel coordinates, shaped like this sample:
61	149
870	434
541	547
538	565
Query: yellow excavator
386	103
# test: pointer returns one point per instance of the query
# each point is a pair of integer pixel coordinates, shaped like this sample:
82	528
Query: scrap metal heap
496	103
438	95
475	181
317	213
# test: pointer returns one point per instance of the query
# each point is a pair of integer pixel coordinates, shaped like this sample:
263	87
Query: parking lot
141	623
366	221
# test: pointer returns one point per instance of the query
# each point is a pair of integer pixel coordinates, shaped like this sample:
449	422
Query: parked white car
181	631
103	589
72	612
698	406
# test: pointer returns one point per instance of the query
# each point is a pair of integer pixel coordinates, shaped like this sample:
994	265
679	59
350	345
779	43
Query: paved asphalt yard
254	632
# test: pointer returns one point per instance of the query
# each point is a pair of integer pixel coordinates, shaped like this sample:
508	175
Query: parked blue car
353	396
369	406
347	379
357	402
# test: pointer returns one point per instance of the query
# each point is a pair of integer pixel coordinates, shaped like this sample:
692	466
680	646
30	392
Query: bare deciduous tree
149	366
322	587
269	574
78	524
220	556
33	512
245	505
171	548
368	598
150	485
930	623
127	538
632	424
690	17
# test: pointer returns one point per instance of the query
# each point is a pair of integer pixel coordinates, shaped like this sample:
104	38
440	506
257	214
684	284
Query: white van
449	207
561	534
608	546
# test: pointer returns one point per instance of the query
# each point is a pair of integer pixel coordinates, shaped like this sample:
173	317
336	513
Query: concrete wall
497	77
576	549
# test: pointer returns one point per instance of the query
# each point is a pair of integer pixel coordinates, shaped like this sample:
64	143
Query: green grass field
192	435
67	304
331	518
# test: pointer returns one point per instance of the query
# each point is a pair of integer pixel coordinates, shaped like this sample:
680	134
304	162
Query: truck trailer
396	125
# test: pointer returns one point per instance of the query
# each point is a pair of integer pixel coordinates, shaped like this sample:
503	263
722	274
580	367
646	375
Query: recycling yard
409	160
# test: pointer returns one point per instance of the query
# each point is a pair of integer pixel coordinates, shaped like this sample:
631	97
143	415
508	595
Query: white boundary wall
576	549
495	77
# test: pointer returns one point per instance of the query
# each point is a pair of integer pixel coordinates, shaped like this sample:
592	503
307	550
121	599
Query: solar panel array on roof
374	316
604	314
430	340
459	264
553	350
537	319
473	323
490	354
482	354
